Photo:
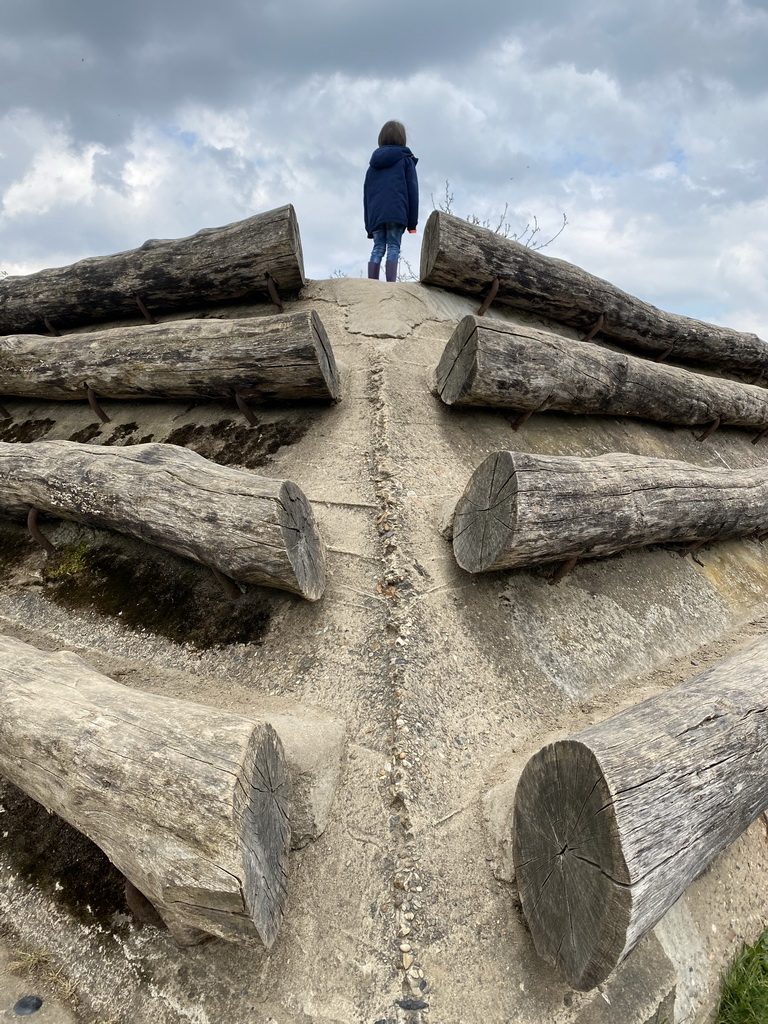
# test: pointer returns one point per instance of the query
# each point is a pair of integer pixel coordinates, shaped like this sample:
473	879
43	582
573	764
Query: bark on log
521	509
489	363
467	258
215	265
189	802
612	824
284	357
249	527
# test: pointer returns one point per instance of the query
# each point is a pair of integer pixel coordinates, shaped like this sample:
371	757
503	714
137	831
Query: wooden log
284	357
499	365
467	258
249	527
612	824
521	509
213	266
189	802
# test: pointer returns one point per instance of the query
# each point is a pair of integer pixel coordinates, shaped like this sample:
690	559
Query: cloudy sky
645	124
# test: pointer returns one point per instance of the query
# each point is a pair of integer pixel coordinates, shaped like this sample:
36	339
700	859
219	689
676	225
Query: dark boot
373	270
391	270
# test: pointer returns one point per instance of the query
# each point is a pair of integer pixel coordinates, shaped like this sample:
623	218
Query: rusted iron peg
144	311
523	418
36	534
713	426
564	569
492	293
245	409
274	294
691	548
667	352
94	404
50	328
759	437
596	329
230	588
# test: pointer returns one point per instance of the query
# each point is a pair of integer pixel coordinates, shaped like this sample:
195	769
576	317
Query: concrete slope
404	909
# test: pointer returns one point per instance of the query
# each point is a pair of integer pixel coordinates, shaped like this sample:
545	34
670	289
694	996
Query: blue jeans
387	238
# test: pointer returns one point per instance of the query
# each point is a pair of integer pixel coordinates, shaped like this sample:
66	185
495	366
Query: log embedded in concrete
520	509
251	528
189	802
504	366
263	358
466	258
213	266
612	824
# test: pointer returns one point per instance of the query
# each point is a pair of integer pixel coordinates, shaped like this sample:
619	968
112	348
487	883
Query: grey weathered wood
213	266
612	824
189	802
467	258
499	365
264	358
252	528
521	509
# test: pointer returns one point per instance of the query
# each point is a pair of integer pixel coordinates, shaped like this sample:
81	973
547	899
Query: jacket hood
387	156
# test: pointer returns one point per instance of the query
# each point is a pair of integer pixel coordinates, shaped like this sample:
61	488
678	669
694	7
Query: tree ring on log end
458	364
303	543
262	818
571	872
486	513
325	357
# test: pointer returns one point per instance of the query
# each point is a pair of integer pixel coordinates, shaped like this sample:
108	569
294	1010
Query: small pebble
407	961
405	947
27	1005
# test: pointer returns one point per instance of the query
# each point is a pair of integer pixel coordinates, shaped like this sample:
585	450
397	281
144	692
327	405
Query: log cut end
458	363
430	246
486	513
262	813
303	542
325	358
571	872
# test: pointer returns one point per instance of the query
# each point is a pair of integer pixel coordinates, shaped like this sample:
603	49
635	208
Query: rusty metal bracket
230	588
492	293
713	426
245	409
664	355
144	311
759	437
36	534
564	569
50	327
94	404
274	294
596	329
4	414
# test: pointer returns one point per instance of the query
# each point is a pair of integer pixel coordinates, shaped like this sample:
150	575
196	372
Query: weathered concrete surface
446	684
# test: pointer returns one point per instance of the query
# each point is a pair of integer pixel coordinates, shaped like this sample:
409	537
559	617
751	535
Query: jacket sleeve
412	184
365	203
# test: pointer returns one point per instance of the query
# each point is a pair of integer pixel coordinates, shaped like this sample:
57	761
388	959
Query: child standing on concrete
390	198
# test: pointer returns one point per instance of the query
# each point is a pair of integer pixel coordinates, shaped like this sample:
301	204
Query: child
390	198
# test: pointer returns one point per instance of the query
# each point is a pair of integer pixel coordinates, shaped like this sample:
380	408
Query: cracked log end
262	810
570	868
486	513
303	543
458	364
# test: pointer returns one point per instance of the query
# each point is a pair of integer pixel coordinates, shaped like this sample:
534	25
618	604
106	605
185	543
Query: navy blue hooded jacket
391	190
